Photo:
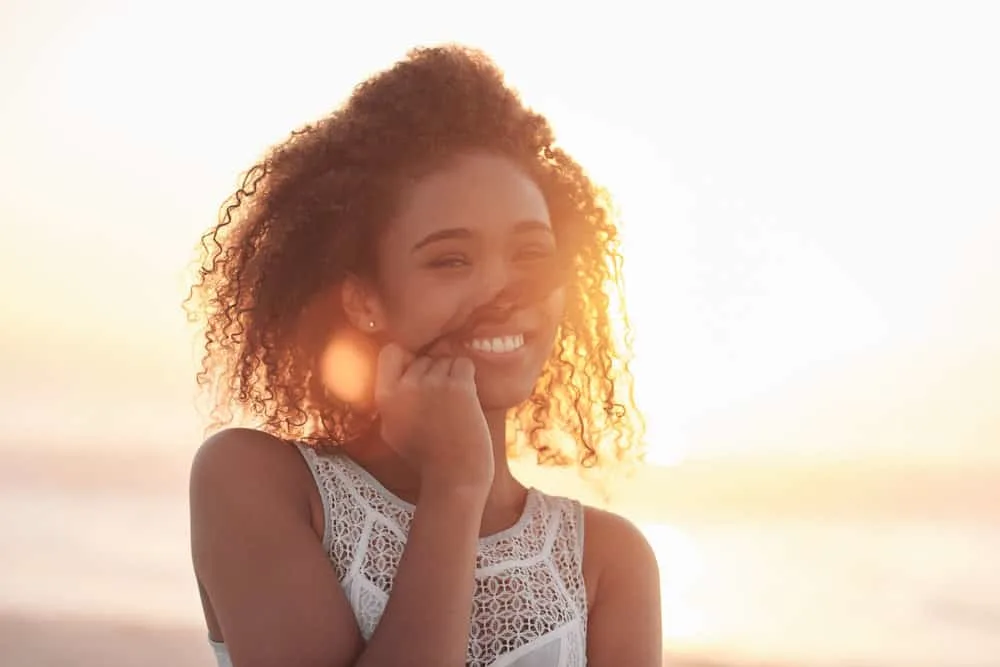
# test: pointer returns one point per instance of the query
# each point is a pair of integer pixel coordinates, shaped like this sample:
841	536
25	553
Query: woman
432	227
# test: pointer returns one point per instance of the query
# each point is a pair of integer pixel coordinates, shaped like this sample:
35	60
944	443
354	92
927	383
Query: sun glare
649	204
347	370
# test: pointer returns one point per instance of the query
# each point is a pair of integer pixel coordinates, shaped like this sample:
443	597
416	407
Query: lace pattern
530	596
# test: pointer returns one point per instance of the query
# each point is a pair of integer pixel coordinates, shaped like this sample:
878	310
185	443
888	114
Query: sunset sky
811	201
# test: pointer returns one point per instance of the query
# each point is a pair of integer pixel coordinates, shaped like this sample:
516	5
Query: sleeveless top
530	603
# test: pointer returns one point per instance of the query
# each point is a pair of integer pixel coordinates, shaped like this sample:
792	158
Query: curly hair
309	213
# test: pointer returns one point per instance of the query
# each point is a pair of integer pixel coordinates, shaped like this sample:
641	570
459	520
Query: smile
497	344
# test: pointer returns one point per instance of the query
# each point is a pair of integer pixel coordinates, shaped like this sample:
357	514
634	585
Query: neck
505	489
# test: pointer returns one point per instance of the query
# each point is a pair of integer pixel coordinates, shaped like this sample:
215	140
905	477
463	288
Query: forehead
485	194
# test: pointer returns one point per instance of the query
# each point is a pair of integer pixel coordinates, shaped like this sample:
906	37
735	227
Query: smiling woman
404	293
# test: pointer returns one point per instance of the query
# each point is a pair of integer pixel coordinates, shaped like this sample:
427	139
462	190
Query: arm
624	625
258	557
426	621
272	588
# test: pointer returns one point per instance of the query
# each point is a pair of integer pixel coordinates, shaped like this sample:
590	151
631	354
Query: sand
80	641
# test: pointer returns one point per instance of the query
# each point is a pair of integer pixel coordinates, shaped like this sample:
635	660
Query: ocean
811	593
879	594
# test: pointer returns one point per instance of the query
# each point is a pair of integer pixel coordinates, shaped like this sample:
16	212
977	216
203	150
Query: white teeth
497	343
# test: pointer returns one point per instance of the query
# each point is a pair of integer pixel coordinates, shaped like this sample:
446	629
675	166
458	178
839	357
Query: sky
811	203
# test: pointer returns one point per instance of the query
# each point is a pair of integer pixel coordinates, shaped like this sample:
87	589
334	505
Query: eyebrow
523	227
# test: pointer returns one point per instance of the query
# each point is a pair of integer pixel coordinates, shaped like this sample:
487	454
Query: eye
535	253
449	262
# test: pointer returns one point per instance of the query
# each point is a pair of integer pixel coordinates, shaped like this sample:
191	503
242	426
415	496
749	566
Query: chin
494	398
506	381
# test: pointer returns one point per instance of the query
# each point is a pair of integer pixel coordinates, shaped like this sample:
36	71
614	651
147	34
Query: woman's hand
431	416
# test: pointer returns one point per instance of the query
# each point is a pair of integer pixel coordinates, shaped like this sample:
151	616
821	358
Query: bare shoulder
256	545
624	626
245	448
249	459
241	476
612	541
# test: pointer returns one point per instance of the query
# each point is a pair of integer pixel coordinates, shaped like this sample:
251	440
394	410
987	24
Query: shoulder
235	450
246	482
617	550
237	460
258	556
608	538
624	623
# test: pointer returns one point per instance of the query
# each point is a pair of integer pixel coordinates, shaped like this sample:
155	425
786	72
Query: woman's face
463	234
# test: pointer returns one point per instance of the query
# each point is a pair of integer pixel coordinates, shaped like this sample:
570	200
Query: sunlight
725	304
681	568
651	205
810	236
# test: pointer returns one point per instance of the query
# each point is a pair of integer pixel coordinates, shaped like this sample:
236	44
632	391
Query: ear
362	305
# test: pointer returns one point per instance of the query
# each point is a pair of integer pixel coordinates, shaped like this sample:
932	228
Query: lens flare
347	370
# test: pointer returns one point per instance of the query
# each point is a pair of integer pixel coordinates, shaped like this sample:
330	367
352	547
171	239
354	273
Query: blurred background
811	195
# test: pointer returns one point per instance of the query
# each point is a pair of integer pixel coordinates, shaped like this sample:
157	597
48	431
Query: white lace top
530	604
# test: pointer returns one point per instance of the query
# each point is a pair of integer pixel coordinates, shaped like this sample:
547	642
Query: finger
440	369
391	364
418	368
462	368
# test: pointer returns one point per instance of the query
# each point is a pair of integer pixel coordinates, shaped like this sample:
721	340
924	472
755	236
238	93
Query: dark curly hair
309	213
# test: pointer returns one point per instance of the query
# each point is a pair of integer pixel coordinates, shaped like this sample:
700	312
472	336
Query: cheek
555	306
553	313
416	311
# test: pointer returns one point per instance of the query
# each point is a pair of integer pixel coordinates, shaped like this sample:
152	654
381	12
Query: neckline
530	501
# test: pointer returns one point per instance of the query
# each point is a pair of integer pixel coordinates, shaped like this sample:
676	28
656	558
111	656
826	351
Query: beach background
811	199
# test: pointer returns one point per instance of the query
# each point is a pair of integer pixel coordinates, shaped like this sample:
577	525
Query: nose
504	289
495	279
